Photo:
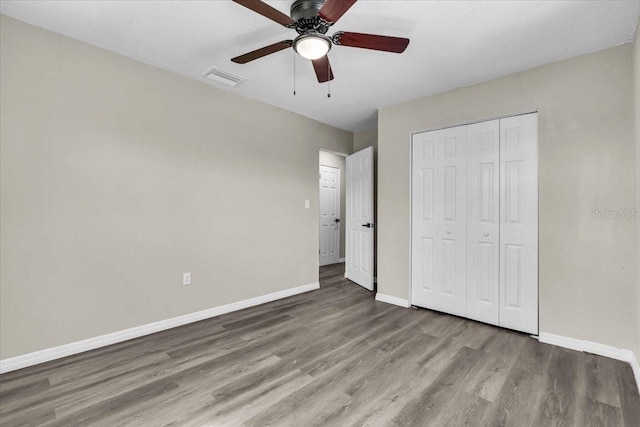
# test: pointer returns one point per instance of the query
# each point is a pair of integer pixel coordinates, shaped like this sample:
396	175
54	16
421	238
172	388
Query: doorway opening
332	205
346	212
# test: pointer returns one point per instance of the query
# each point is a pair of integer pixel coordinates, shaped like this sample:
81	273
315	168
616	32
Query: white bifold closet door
475	221
519	223
483	220
439	220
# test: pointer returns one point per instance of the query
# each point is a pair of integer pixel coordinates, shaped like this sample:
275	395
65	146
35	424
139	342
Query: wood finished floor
332	357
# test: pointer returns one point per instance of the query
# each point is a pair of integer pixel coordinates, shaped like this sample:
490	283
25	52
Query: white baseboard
65	350
392	300
341	260
595	348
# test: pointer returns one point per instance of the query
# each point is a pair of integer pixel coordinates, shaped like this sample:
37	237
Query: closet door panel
483	208
439	220
519	223
451	218
423	225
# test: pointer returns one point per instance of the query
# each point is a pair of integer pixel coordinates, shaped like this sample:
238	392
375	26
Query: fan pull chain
329	77
294	74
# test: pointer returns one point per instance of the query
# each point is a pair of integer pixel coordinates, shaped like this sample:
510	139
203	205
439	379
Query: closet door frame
411	189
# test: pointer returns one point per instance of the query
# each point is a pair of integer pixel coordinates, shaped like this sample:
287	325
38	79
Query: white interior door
519	223
329	215
483	221
439	220
360	226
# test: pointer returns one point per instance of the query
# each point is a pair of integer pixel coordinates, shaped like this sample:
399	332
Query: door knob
486	234
368	225
337	220
448	231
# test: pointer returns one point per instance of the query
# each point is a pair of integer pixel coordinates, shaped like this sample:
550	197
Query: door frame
410	172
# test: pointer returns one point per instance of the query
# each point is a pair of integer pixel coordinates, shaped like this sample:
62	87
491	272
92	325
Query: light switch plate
186	279
307	204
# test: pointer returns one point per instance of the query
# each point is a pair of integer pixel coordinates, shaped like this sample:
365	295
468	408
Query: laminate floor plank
247	405
37	417
629	398
518	401
110	382
440	354
487	377
303	407
438	396
466	410
592	413
476	336
24	390
534	356
331	357
378	394
193	395
98	412
215	362
559	402
321	363
601	380
18	383
218	343
504	339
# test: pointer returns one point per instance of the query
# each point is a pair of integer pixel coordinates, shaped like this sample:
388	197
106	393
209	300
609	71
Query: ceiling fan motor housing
305	15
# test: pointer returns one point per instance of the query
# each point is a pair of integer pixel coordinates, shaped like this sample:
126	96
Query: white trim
410	172
392	300
341	259
472	122
65	350
594	348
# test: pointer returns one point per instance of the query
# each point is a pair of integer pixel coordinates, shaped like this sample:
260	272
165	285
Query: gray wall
340	162
364	139
117	177
586	161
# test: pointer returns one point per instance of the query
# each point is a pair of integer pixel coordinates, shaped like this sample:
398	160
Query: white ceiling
453	44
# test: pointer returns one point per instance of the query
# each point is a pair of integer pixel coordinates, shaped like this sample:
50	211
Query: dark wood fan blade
323	69
267	11
259	53
371	41
332	10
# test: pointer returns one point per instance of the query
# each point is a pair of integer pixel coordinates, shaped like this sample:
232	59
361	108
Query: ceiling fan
312	19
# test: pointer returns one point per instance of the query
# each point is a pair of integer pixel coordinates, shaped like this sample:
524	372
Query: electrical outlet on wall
186	279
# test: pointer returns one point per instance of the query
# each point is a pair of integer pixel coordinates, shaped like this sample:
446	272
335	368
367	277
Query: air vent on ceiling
217	75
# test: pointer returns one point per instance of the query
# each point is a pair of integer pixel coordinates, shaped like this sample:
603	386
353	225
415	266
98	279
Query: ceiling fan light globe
311	46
